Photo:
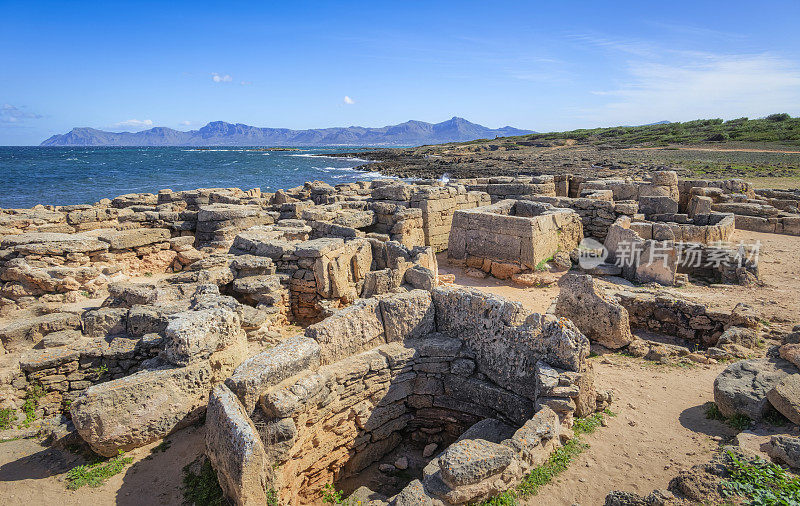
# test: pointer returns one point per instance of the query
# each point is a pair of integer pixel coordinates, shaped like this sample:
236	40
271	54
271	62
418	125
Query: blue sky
539	65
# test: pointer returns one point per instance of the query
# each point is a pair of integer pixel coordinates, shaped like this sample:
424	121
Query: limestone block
235	449
602	319
408	316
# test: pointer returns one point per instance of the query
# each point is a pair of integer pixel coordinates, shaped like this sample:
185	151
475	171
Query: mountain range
220	133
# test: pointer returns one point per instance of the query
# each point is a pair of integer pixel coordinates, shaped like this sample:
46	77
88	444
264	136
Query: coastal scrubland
765	151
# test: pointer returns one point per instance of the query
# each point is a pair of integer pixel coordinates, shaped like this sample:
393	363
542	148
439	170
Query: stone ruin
389	358
449	367
512	236
673	327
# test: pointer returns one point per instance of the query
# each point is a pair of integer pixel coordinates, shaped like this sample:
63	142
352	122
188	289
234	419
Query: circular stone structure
447	366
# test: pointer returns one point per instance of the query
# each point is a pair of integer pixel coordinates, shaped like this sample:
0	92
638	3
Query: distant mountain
220	133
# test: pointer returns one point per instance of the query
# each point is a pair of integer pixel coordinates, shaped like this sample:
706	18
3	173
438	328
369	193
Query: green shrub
96	474
7	418
761	483
778	117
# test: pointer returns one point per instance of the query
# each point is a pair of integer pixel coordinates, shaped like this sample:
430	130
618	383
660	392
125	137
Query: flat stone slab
134	238
471	460
318	247
256	374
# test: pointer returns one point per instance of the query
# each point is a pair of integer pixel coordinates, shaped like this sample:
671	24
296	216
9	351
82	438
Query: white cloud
348	100
186	123
702	86
12	115
217	78
245	83
134	123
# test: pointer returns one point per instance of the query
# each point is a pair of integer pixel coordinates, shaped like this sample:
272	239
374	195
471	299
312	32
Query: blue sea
83	175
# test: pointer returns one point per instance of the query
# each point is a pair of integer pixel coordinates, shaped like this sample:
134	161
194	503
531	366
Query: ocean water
84	175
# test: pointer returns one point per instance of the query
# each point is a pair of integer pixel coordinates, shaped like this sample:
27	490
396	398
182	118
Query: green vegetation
32	395
761	483
202	488
737	421
96	474
557	463
161	447
332	496
541	266
7	418
777	128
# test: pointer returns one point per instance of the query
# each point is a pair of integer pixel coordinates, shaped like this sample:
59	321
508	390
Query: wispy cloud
245	83
348	100
220	78
629	46
134	123
13	115
704	86
186	123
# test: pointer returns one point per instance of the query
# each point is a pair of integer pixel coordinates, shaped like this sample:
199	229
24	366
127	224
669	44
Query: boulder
601	318
408	316
349	331
472	460
23	334
133	411
785	397
742	387
785	449
195	335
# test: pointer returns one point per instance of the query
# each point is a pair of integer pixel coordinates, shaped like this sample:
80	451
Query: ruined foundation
419	368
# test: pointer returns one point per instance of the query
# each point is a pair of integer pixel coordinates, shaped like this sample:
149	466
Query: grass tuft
32	395
96	474
202	488
737	421
7	418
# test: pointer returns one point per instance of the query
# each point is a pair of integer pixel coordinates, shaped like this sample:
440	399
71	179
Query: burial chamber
412	368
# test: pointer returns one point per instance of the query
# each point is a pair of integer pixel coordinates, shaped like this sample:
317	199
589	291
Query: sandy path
660	428
33	474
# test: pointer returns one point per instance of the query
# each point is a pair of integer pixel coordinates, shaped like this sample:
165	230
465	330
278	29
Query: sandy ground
660	427
33	474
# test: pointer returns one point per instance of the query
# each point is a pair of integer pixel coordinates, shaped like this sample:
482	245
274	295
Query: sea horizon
76	175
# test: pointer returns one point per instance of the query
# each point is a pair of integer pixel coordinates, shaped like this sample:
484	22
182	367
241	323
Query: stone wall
502	188
685	319
436	202
417	367
597	215
512	235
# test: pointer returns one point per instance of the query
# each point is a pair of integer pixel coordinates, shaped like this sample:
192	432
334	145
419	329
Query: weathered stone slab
235	449
255	375
134	238
135	410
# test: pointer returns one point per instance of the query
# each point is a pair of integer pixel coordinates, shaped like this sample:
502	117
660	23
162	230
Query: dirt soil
34	474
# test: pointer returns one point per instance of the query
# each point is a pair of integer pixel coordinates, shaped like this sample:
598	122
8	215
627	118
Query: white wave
347	158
